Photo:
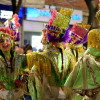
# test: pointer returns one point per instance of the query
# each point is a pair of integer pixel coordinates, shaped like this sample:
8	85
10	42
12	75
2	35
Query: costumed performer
51	67
84	79
11	87
78	36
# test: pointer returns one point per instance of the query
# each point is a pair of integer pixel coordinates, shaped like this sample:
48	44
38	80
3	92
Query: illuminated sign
5	14
33	12
43	15
76	17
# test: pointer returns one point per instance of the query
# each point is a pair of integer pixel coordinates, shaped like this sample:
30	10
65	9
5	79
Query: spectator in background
16	46
28	49
19	50
40	50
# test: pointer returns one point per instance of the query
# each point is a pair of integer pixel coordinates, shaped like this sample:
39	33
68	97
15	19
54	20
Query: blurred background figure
19	50
16	46
40	50
28	49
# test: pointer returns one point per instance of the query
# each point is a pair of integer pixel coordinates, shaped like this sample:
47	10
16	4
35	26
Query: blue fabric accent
27	97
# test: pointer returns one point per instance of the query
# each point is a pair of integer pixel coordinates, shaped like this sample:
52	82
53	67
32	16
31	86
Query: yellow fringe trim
40	62
94	39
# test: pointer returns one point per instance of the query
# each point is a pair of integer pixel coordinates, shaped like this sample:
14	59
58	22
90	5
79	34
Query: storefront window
36	42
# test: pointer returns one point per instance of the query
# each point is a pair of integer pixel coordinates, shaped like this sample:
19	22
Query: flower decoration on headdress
53	16
78	33
56	30
11	27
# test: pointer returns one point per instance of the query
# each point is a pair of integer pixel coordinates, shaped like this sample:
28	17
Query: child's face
5	44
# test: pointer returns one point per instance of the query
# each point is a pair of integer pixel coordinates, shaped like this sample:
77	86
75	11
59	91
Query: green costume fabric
45	86
77	50
10	80
84	79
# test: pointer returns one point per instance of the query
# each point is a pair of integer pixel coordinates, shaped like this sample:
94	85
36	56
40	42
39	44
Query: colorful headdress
11	27
94	39
56	29
79	33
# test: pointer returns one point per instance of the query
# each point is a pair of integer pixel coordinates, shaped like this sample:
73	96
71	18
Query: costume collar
50	48
93	51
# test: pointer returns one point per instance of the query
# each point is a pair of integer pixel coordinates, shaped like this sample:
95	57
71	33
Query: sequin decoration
66	12
80	31
94	39
40	61
98	16
11	28
61	21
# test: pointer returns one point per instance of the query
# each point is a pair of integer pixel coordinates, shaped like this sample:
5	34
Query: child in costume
11	87
51	67
84	79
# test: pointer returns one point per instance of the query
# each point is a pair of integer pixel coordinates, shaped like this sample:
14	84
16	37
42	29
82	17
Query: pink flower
15	16
74	26
17	24
7	30
54	14
16	19
12	37
12	33
50	21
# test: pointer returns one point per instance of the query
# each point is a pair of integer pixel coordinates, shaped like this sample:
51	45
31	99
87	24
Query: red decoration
50	21
17	83
96	92
54	14
78	30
